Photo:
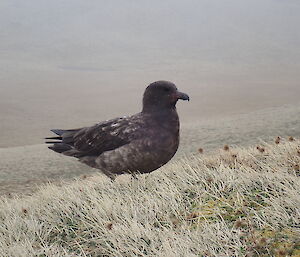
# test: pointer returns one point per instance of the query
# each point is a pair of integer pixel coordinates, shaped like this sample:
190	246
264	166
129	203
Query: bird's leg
113	178
134	176
110	175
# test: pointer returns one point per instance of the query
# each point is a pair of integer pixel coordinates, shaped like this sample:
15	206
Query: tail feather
60	147
63	142
52	138
58	132
52	142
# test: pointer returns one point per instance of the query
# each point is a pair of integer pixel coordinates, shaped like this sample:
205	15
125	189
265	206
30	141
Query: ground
233	202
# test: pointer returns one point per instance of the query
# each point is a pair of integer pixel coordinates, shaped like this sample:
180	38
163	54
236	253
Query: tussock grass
238	202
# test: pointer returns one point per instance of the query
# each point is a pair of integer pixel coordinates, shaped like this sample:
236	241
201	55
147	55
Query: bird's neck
165	118
158	107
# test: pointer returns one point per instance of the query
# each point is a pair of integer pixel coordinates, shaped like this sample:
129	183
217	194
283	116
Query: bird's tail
63	141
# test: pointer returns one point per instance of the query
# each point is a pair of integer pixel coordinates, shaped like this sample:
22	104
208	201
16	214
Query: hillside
23	168
235	202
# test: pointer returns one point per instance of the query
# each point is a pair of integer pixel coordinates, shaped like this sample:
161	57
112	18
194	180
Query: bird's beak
182	96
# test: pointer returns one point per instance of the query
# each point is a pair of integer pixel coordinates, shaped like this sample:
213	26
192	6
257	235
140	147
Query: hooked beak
182	96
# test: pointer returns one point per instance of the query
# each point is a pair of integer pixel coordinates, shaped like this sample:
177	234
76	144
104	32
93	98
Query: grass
235	202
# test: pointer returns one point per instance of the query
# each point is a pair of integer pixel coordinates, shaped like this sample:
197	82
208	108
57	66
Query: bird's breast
164	141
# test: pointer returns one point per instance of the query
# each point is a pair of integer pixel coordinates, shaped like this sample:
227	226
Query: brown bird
140	143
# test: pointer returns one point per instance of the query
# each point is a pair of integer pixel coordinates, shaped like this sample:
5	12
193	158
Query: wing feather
104	136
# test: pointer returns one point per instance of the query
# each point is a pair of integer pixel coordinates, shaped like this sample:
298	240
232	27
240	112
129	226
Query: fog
70	63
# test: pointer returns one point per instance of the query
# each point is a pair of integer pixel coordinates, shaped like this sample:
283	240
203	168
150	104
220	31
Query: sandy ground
24	168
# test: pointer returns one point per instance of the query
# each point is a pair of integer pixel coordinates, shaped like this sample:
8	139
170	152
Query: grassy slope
238	202
22	168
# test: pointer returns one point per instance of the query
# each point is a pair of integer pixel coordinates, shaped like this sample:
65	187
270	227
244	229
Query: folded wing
95	140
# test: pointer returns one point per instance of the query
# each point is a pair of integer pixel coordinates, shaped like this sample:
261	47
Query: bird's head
161	95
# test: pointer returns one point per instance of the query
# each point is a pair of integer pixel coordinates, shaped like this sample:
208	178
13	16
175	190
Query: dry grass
238	202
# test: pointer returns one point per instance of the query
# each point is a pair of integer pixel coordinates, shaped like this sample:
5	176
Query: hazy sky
62	59
208	37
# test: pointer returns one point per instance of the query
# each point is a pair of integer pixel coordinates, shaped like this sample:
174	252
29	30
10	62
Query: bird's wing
104	136
136	156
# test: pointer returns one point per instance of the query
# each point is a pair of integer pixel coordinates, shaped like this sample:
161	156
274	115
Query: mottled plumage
140	143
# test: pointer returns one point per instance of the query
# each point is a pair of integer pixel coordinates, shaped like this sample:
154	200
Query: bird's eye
167	89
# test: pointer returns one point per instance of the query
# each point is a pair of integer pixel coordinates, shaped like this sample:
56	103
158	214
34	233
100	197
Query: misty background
66	64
